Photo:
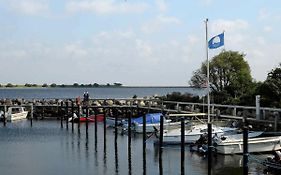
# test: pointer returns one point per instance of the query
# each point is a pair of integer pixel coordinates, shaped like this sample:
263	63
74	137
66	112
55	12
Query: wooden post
78	113
61	117
96	129
144	144
104	136
209	148
161	144
182	145
72	115
96	123
116	124
31	114
5	111
245	148
129	142
66	114
87	115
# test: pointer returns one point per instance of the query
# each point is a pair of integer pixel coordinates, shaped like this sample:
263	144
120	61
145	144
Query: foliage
270	89
45	85
230	77
9	85
53	85
177	96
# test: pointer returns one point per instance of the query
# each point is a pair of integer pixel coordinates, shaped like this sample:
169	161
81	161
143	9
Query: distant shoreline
70	86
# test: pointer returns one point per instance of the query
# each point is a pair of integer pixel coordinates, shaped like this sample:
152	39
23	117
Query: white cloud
29	7
159	23
267	29
161	5
229	25
105	6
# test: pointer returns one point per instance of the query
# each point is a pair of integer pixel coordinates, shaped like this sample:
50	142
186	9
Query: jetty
64	108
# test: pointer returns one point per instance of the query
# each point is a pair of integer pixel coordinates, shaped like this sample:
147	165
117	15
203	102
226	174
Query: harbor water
45	148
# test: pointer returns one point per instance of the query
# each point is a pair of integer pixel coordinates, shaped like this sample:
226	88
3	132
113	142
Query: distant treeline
63	85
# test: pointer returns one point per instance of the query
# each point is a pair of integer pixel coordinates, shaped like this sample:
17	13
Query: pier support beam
182	145
245	147
31	114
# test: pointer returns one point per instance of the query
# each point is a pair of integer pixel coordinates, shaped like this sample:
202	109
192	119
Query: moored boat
16	113
193	133
233	144
83	118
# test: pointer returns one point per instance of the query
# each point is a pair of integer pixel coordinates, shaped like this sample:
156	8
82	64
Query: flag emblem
216	42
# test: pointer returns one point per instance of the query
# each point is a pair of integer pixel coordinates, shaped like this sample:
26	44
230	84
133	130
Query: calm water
46	148
94	92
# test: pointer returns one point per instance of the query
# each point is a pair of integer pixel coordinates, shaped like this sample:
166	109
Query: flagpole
208	70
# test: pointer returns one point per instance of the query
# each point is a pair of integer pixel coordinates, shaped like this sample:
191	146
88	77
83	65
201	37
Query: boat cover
150	118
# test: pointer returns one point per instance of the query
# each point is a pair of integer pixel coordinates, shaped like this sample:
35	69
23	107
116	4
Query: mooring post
182	145
104	136
72	114
61	117
96	129
245	147
87	115
78	113
129	114
210	148
96	122
31	114
104	130
144	143
66	113
116	124
5	111
161	144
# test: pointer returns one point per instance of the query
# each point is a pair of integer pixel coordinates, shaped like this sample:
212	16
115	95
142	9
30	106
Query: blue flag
216	42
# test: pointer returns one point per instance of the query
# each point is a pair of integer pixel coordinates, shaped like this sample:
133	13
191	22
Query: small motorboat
83	118
15	113
257	142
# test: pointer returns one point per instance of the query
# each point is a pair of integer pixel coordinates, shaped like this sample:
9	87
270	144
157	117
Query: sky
134	42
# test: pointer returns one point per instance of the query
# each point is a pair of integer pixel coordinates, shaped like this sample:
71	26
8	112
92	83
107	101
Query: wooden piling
31	114
4	117
209	149
78	115
61	117
144	143
129	114
245	148
161	144
182	145
115	124
72	115
104	136
66	114
87	116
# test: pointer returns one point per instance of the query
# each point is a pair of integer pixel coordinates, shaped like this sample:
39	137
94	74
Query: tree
53	85
230	77
75	84
45	85
9	85
270	89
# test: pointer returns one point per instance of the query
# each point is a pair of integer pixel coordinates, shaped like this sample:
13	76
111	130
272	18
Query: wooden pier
64	108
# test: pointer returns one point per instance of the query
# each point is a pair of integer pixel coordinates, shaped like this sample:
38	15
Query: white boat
154	127
16	113
234	144
152	123
193	133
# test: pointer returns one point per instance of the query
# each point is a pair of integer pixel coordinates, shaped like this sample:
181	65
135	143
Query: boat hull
100	118
260	144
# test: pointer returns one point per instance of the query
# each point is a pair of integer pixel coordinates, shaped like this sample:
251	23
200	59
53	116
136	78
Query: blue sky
135	42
